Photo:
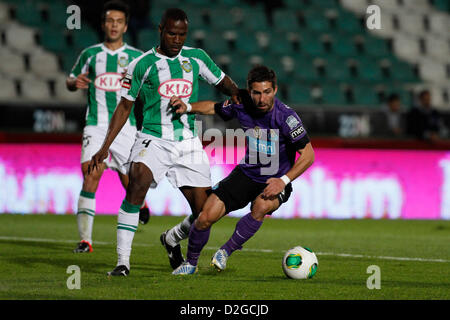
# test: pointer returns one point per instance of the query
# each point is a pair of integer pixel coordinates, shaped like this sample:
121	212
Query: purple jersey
272	139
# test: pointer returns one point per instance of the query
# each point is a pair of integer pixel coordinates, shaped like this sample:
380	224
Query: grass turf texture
31	267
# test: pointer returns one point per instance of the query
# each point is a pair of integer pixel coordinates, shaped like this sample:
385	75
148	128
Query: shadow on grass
41	245
88	266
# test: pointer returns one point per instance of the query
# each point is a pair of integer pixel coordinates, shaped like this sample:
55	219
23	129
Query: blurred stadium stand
326	59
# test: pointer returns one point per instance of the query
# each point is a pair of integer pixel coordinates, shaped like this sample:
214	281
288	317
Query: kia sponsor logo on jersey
175	87
108	81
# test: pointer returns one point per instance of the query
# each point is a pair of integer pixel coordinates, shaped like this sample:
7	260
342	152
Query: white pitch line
346	255
380	257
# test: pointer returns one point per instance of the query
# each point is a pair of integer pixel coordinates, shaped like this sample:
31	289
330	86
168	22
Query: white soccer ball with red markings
300	263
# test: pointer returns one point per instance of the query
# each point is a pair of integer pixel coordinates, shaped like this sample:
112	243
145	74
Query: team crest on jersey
292	122
175	87
123	61
142	153
186	65
108	81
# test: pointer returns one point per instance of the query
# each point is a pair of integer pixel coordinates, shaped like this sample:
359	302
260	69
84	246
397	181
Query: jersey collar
112	52
166	57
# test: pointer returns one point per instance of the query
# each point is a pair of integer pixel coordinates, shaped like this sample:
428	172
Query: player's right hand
83	81
96	160
178	105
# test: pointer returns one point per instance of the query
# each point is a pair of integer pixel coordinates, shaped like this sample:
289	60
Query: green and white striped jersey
156	78
105	69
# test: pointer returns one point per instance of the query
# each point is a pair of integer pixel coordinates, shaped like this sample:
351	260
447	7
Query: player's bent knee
90	182
204	221
93	176
263	207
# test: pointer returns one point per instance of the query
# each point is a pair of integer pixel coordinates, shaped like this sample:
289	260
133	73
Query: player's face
173	36
115	25
426	99
263	95
394	105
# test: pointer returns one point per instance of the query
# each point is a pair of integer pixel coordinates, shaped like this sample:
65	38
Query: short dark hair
116	5
174	14
392	97
260	73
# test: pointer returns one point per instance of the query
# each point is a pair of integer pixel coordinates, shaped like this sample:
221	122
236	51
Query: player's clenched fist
178	105
96	160
82	81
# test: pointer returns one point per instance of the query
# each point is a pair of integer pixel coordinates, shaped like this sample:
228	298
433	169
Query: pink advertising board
342	183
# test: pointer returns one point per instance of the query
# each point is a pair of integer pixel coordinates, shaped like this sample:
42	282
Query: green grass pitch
413	257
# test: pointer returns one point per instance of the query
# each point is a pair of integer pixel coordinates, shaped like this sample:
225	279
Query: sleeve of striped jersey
133	80
80	65
208	69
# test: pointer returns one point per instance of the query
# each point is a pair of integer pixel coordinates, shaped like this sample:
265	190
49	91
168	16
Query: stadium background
331	68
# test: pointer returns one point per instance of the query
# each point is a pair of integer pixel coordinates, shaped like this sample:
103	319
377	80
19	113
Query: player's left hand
236	99
274	187
97	159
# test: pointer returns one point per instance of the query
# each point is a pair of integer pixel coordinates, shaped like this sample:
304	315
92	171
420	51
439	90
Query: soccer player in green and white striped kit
168	144
99	69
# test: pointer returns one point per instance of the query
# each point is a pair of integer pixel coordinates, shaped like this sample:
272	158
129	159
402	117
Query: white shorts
120	149
184	163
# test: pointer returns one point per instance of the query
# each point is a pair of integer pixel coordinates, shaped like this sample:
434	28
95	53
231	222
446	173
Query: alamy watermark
74	280
74	19
262	146
374	280
373	21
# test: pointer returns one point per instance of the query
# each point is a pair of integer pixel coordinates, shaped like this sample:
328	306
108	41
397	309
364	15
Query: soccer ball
300	263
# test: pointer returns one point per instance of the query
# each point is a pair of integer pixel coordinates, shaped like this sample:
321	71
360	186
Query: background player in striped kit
99	69
168	144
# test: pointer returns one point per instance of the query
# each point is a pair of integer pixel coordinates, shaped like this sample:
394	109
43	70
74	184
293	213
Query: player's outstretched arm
228	87
201	107
118	120
276	185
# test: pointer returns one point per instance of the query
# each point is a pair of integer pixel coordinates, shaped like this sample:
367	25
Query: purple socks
197	240
246	227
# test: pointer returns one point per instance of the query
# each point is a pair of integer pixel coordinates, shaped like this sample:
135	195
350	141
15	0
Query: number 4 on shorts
146	142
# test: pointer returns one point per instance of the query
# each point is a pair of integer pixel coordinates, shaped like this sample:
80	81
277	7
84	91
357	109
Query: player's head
115	17
262	86
394	102
425	98
173	30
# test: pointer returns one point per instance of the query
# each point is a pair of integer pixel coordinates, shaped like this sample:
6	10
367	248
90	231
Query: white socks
180	231
127	223
85	215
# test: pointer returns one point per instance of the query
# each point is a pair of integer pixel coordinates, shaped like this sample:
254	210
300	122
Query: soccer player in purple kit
274	133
